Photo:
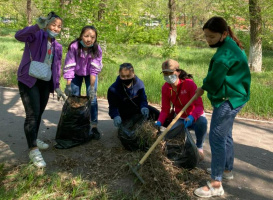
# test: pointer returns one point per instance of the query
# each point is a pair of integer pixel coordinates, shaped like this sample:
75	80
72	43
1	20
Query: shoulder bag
39	70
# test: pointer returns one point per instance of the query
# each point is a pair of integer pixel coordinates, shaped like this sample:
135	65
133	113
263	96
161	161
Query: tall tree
255	51
101	11
172	18
29	12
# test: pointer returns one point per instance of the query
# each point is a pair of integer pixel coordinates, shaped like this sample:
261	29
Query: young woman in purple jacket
40	44
84	61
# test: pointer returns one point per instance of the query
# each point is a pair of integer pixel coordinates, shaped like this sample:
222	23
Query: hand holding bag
39	70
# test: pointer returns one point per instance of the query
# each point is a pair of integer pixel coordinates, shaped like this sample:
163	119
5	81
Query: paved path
253	167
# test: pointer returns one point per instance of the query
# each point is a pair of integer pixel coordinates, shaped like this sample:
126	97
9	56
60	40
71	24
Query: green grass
147	61
28	182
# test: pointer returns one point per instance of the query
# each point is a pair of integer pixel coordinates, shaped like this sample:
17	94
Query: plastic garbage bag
183	154
126	132
74	124
127	136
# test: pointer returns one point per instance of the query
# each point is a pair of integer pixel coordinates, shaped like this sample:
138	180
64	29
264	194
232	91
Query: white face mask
170	79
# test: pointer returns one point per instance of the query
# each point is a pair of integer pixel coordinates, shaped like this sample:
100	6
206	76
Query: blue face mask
85	45
51	34
170	79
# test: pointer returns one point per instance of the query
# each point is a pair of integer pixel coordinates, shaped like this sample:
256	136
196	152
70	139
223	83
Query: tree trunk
193	21
62	6
29	12
255	51
172	19
101	11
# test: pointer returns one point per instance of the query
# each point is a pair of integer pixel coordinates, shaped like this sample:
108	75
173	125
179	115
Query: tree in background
255	51
172	18
101	11
29	12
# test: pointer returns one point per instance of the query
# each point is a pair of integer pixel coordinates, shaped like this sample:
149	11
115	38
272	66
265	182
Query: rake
137	167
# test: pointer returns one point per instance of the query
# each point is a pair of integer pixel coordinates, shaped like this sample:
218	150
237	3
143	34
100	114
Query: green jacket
228	76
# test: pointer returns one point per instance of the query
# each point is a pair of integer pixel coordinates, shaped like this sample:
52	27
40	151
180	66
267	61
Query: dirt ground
253	165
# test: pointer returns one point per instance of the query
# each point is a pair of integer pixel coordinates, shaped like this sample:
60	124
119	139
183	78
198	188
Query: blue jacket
37	40
120	104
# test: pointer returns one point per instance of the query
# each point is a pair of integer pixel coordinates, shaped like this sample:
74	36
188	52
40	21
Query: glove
188	121
145	112
42	22
68	90
117	121
60	94
92	92
158	127
158	124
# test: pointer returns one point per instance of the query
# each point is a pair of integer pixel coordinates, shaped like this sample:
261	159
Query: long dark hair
184	75
94	50
219	25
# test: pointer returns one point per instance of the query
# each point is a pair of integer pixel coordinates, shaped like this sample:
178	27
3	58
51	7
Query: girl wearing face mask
41	45
227	84
178	90
84	61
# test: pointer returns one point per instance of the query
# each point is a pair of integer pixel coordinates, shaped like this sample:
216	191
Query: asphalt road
253	166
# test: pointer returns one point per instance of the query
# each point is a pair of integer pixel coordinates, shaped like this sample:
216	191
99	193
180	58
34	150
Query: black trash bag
185	154
153	113
74	125
127	136
126	132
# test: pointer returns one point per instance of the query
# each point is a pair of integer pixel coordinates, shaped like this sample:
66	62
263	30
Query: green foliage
168	51
244	37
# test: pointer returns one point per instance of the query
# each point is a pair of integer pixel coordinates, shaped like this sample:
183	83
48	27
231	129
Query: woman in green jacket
228	87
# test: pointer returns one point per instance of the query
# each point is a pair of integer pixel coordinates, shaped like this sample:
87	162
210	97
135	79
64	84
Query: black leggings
34	100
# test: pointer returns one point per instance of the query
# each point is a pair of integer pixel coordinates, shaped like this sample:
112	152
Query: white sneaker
226	175
41	145
37	158
212	192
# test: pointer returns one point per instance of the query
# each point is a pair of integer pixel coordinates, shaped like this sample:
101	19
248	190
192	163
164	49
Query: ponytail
184	75
231	34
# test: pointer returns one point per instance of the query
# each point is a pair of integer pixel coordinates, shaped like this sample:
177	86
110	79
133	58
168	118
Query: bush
168	51
142	35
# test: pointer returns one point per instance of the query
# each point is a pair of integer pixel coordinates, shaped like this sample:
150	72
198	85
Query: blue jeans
76	85
199	127
220	138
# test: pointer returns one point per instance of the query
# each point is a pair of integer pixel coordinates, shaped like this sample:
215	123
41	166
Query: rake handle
167	129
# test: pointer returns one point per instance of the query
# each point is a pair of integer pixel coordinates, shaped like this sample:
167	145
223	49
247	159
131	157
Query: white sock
34	150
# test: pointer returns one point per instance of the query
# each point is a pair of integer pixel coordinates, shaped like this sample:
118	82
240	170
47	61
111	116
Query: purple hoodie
83	65
37	40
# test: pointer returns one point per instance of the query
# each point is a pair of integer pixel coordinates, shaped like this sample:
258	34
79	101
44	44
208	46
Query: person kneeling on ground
178	90
127	99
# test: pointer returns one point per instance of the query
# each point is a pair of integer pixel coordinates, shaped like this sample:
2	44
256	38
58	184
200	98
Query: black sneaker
95	134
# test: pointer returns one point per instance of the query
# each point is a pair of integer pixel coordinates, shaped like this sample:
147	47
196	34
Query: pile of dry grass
162	179
76	102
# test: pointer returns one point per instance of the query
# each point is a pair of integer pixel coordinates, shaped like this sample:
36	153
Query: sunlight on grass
147	60
27	182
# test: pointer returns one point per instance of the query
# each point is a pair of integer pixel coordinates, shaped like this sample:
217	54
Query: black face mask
218	44
127	81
